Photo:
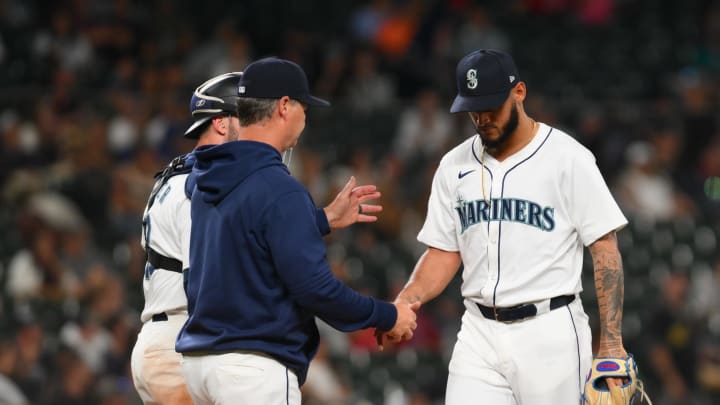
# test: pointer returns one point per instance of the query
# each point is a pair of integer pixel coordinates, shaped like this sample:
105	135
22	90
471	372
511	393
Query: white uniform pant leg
474	373
539	361
156	366
240	378
551	356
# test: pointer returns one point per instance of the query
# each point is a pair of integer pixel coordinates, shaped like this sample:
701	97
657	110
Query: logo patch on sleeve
607	366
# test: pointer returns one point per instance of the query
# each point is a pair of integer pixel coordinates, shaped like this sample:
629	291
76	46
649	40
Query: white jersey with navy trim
521	233
166	224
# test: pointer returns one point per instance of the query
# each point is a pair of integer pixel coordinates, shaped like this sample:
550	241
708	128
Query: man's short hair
253	110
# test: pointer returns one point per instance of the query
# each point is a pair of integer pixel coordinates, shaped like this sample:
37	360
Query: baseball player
258	275
156	368
515	204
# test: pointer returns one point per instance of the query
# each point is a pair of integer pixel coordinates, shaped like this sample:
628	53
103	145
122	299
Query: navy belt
162	316
516	313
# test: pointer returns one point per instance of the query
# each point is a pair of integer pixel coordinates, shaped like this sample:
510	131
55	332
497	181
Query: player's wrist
331	216
408	299
611	349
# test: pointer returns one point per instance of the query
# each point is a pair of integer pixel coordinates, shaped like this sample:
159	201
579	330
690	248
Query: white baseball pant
156	366
542	360
239	378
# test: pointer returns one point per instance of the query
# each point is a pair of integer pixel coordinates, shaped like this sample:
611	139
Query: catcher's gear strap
596	388
180	165
159	261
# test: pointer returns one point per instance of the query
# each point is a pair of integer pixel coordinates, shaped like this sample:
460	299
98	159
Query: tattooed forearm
609	284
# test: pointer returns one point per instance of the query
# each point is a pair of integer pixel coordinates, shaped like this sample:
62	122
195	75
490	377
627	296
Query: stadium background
94	100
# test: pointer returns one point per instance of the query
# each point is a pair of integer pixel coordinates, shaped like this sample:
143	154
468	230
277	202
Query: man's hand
404	326
619	353
349	205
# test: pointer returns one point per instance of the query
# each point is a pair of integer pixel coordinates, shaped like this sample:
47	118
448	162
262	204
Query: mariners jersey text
505	209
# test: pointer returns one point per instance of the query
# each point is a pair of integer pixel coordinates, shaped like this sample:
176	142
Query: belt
159	261
162	316
516	313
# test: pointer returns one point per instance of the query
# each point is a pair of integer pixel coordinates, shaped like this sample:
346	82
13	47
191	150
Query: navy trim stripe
577	345
483	166
472	148
287	387
502	193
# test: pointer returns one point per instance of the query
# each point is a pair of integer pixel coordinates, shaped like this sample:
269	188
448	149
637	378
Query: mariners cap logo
471	78
512	78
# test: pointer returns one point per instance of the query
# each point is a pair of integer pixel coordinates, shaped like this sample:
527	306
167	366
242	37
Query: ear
283	106
221	124
519	92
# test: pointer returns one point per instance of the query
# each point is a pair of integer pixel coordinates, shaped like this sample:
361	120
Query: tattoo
609	284
410	298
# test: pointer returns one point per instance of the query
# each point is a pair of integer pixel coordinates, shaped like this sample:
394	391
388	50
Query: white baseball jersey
167	224
522	242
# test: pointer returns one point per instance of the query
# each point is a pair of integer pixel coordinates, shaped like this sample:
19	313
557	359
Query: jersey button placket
494	230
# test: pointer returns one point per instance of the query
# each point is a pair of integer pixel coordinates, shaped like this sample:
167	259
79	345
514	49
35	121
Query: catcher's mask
217	96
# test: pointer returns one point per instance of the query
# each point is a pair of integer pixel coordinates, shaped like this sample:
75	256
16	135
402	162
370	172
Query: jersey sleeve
592	207
439	228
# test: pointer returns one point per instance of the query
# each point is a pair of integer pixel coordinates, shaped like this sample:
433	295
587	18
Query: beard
505	132
233	134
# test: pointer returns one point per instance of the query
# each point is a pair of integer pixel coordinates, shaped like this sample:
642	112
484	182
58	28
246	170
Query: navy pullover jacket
258	274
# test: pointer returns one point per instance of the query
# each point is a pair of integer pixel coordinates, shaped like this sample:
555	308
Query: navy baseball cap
276	78
484	80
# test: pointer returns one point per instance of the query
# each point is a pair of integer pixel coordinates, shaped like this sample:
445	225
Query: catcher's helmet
216	96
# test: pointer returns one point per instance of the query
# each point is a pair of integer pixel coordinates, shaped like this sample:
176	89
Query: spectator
10	393
424	129
31	375
645	188
478	32
36	272
63	46
673	338
368	89
74	382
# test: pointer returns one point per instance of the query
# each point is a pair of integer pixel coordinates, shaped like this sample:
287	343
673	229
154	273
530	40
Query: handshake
404	325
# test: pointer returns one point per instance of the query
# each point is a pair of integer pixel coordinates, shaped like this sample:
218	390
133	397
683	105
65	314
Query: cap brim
478	103
190	133
314	101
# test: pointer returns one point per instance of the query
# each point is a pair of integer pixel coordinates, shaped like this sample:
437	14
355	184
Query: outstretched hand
349	206
404	326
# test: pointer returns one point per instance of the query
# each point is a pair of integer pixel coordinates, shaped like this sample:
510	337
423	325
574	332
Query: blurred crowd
94	101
